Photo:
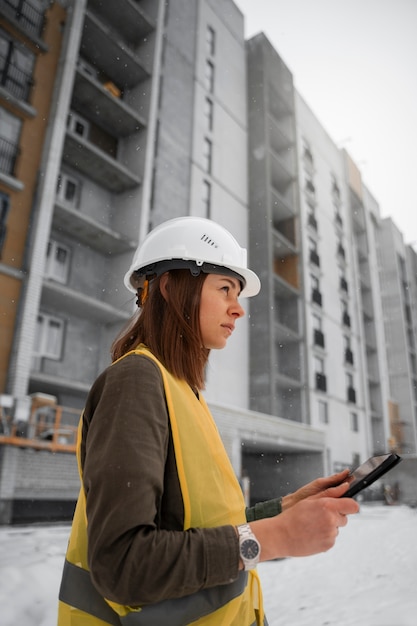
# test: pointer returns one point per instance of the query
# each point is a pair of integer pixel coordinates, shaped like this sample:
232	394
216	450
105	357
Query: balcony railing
29	17
51	427
18	82
9	153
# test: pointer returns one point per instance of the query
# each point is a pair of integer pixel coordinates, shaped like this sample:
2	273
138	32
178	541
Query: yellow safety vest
212	497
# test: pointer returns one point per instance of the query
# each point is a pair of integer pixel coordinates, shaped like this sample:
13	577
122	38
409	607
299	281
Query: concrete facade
158	110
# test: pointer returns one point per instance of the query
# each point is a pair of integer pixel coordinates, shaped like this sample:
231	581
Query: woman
160	533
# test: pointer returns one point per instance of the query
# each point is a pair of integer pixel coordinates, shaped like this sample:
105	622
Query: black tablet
370	471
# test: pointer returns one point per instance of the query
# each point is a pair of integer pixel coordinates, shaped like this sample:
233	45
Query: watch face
249	549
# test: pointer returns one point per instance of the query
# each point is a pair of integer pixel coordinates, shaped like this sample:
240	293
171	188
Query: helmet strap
142	293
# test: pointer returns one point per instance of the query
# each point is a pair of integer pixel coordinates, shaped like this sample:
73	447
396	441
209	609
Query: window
310	191
323	412
343	282
68	189
207	155
348	350
78	125
211	40
351	393
315	290
336	193
49	336
341	250
208	113
206	198
321	382
318	336
4	210
308	158
354	422
16	67
314	257
57	262
338	217
345	313
10	127
209	76
312	221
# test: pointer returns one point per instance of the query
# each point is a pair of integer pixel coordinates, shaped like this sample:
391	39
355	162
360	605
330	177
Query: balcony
50	427
90	232
97	165
101	106
27	18
282	146
9	153
281	101
130	20
283	242
15	81
104	48
282	204
62	298
282	183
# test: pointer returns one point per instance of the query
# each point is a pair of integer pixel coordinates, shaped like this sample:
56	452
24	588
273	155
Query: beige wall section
21	202
9	296
32	138
354	177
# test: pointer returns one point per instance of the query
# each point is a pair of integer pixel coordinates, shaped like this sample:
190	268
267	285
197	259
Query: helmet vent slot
208	240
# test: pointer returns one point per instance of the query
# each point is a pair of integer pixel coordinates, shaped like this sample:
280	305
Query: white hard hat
195	243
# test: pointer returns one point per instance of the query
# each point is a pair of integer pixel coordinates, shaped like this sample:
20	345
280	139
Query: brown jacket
138	551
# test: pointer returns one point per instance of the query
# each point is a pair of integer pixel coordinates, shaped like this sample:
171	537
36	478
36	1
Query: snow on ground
368	579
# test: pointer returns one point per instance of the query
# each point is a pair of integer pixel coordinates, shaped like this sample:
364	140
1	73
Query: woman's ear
163	285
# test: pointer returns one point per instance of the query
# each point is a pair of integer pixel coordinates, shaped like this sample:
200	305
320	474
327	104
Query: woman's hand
308	527
319	488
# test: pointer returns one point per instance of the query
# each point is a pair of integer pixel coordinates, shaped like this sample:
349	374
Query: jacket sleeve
269	508
134	558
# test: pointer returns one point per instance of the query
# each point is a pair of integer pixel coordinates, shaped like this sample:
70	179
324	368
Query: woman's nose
237	310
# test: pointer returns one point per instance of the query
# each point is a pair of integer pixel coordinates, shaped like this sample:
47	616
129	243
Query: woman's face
219	309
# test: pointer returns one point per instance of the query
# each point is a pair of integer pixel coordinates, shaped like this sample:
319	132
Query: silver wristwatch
249	546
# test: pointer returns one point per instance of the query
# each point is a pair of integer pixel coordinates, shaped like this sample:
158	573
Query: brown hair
170	328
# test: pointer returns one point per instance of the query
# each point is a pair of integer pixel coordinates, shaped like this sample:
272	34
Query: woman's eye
226	288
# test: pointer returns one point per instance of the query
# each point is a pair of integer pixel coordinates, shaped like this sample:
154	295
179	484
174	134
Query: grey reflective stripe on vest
78	591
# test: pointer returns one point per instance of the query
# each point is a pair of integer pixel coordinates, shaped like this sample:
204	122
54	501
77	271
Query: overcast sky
355	64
